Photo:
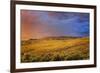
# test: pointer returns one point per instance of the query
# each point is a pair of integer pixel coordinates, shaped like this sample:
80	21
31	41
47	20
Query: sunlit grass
55	50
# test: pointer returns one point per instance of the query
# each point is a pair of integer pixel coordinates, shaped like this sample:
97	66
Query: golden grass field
49	49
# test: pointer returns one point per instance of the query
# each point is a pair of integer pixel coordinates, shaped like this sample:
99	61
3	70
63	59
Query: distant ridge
54	38
60	37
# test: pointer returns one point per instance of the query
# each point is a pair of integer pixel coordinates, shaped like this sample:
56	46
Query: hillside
55	49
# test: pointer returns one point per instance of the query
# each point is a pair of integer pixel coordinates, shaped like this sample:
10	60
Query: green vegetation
58	49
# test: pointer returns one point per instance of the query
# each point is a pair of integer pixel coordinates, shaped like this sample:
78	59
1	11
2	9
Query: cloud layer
39	24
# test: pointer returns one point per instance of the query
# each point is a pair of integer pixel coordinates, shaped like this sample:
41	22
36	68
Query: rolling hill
60	48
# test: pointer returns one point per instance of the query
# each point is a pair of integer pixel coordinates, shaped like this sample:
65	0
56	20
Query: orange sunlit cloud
31	27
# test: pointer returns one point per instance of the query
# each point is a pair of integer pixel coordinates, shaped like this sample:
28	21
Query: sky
40	24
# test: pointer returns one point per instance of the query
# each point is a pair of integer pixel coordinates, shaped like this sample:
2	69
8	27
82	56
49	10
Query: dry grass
55	49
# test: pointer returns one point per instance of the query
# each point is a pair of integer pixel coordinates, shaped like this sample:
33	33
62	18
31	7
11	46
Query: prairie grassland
43	50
